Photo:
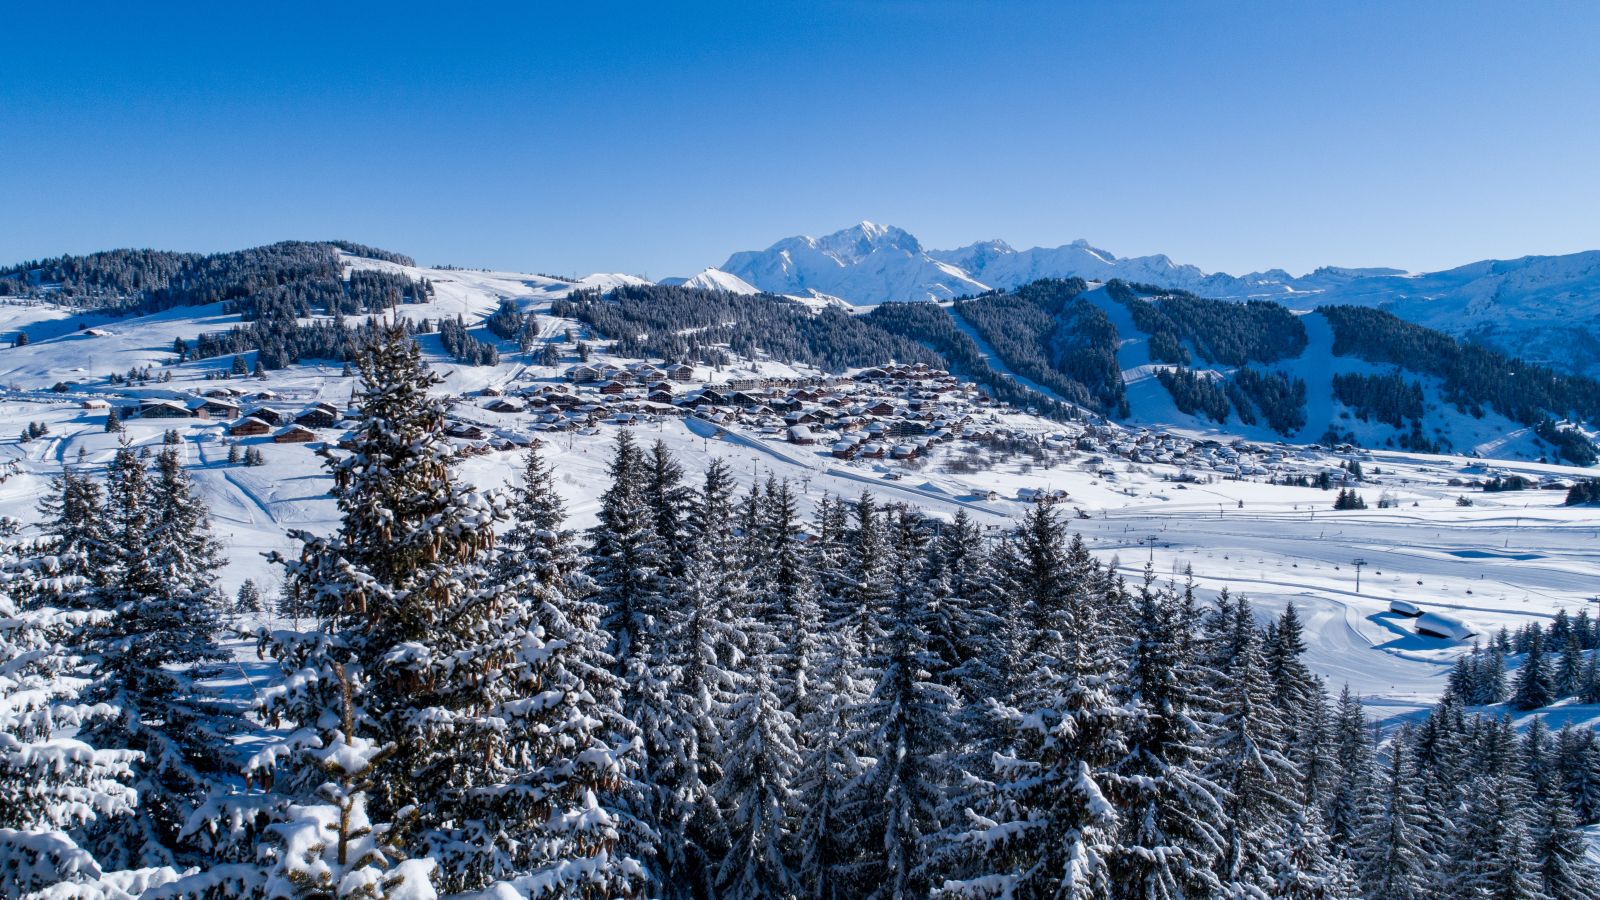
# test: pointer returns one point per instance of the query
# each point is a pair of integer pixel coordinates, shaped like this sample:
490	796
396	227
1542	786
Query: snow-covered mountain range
1543	308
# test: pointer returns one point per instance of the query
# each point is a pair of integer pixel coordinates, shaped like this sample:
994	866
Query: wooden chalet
322	415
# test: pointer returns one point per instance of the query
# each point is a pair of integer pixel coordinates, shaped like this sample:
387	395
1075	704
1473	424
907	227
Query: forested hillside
1473	376
1046	334
146	281
1222	331
682	324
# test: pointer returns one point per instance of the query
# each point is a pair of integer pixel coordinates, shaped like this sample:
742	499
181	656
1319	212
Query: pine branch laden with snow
330	849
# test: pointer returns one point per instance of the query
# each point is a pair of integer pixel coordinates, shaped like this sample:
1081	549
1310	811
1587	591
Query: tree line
706	696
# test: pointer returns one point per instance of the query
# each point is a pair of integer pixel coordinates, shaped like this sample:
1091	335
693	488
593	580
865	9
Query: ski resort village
326	570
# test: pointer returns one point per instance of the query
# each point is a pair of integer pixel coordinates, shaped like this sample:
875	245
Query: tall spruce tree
906	726
631	573
1173	830
443	656
829	760
1559	853
708	634
1353	756
1248	759
1534	684
1050	827
158	583
564	808
1395	863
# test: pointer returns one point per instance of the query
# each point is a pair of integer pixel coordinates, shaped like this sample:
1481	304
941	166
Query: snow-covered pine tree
969	635
628	566
1578	758
1032	571
964	629
1248	759
1301	866
1437	752
1569	669
788	596
758	791
827	557
668	499
1490	855
1352	739
563	811
1391	845
868	573
407	603
1173	828
51	786
330	849
158	583
1534	688
707	636
74	523
1294	688
906	727
829	761
1314	755
1559	853
1050	828
249	599
1538	769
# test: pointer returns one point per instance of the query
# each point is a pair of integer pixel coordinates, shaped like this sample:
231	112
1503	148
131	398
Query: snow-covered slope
605	282
714	279
866	264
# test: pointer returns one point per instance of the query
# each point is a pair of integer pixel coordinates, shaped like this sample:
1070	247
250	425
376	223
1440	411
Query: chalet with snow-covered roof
168	409
506	405
295	434
216	407
250	426
321	415
273	417
680	372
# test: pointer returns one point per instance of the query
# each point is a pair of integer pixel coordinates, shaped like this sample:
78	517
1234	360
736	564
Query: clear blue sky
657	138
